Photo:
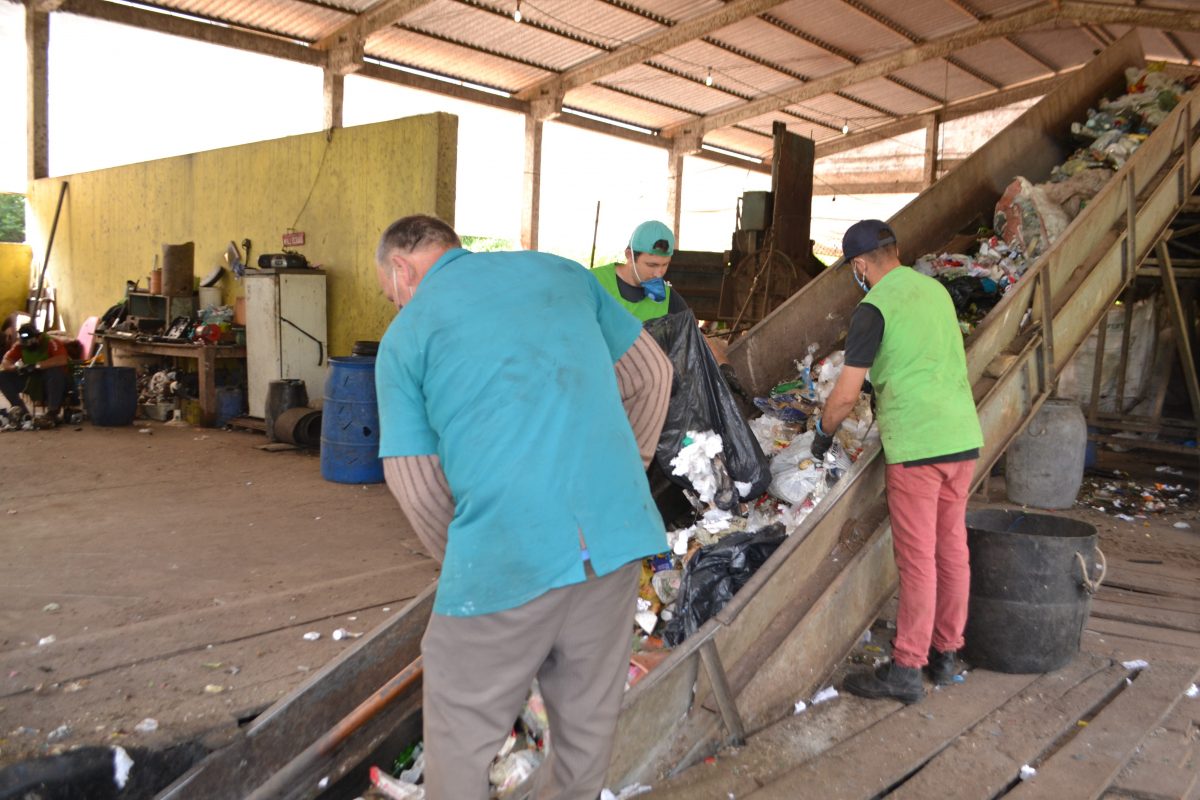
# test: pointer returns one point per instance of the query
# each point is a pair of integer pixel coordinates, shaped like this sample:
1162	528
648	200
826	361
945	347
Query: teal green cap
652	237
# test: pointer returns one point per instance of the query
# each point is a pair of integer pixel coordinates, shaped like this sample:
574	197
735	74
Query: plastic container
110	395
1032	576
350	423
230	403
1044	465
282	395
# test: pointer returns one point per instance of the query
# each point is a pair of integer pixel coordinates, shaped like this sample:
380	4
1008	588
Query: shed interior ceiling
699	71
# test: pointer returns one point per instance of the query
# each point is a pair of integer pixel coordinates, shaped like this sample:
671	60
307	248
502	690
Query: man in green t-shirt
906	334
639	284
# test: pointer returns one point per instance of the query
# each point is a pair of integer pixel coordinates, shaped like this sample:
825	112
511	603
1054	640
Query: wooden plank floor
1102	727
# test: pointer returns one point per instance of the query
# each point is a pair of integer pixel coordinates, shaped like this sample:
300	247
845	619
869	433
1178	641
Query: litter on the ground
45	640
312	636
800	707
825	695
632	790
342	633
148	725
1183	526
393	788
1136	664
1193	691
50	608
1027	772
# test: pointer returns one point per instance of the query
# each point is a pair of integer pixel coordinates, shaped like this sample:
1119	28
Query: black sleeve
675	302
866	332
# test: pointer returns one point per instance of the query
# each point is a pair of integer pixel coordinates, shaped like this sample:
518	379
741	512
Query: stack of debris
1030	217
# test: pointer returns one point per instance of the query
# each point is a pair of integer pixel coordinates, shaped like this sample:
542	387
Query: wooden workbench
205	356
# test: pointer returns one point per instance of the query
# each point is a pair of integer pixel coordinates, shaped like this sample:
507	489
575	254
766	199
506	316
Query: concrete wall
15	260
341	192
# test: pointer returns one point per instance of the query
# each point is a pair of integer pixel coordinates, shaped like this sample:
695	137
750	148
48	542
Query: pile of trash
513	766
714	556
1129	500
1030	217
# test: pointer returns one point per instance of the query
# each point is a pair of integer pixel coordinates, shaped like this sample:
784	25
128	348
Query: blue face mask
656	289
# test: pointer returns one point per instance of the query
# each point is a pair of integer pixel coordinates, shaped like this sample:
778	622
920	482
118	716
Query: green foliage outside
12	218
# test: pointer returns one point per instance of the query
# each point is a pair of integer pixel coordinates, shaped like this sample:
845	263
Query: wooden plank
1123	578
1140	615
1167	766
986	760
1127	597
1163	568
884	754
1146	633
1086	765
1123	648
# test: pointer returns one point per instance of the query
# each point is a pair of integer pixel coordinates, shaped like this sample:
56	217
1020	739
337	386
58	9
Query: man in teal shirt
518	406
906	333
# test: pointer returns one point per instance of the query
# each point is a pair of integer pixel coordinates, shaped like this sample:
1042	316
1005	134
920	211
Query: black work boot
943	666
887	680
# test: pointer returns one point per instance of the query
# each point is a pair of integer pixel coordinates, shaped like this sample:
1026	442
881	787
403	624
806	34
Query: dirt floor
170	574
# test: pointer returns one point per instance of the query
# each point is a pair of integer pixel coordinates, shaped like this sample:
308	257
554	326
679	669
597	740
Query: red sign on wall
293	238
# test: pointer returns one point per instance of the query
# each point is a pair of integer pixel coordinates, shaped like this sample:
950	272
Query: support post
37	91
1184	345
675	188
933	128
726	702
334	93
531	190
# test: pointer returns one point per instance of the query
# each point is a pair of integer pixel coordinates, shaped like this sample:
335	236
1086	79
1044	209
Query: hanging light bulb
845	127
708	77
516	15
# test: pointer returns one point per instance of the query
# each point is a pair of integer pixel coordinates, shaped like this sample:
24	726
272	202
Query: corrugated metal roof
759	64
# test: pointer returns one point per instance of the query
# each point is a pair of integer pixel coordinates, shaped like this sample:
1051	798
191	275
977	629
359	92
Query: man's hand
822	441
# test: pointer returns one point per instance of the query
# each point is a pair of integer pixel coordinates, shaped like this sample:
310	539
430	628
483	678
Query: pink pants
928	506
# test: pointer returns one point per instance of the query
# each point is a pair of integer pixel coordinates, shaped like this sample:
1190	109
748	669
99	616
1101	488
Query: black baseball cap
865	236
28	333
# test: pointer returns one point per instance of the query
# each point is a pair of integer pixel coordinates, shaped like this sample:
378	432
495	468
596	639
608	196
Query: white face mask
861	281
396	301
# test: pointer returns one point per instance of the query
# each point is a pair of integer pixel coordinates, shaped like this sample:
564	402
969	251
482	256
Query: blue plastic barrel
229	404
110	395
350	423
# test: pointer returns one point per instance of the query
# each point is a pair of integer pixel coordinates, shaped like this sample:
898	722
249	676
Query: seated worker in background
37	366
639	286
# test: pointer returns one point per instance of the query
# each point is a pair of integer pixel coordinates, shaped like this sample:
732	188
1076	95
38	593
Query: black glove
26	369
821	442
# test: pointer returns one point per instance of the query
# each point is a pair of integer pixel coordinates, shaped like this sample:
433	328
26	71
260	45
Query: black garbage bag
715	574
702	401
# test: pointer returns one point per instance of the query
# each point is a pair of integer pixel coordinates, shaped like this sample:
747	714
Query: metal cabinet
286	333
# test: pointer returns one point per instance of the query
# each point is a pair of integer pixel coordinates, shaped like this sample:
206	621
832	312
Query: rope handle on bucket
1088	583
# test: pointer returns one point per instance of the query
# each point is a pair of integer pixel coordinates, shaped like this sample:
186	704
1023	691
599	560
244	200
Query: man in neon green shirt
906	333
638	284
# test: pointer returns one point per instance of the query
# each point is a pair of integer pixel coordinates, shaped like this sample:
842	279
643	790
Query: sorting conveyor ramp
785	632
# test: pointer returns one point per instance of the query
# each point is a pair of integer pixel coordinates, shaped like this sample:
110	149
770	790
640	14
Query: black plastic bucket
110	395
1031	587
282	395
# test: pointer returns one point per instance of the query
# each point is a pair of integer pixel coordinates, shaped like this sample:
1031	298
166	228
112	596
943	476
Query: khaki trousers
478	670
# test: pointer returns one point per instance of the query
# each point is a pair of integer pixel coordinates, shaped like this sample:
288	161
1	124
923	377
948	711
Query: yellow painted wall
15	260
114	221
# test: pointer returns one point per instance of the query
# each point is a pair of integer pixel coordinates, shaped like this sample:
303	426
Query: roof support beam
37	92
379	16
934	48
946	114
674	188
1104	14
638	51
173	25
